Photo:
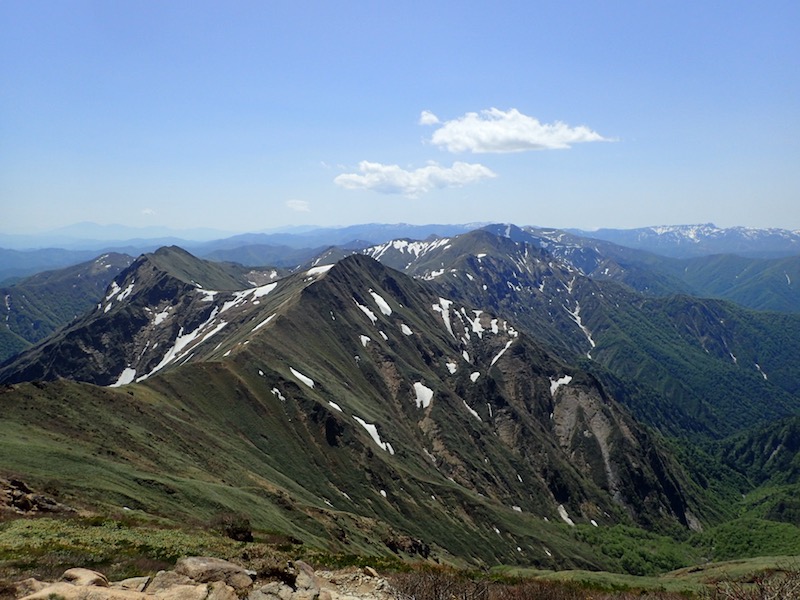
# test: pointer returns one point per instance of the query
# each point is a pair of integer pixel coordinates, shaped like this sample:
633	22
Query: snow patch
277	393
127	376
556	383
264	290
444	308
381	302
472	411
764	375
161	317
126	292
503	351
406	329
366	311
416	249
364	340
562	512
576	316
452	367
303	378
183	340
264	322
113	292
476	323
335	406
433	274
373	433
424	395
319	270
474	376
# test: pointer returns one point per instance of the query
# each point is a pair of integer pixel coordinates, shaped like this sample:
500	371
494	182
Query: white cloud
392	179
426	117
148	212
299	205
497	131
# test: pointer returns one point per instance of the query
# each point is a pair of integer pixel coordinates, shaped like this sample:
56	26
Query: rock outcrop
16	497
204	578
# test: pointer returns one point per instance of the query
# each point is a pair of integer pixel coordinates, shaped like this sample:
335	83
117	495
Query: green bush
233	525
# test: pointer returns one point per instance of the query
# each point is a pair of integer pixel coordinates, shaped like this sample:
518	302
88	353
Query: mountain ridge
635	336
448	411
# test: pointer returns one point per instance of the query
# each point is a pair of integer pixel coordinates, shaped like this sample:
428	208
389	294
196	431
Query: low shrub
233	525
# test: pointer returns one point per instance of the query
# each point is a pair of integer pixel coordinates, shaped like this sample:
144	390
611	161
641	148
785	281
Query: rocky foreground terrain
203	578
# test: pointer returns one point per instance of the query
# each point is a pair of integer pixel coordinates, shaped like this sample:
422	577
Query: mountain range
480	396
684	241
22	255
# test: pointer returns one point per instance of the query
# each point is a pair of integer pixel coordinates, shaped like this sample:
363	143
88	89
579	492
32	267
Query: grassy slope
184	459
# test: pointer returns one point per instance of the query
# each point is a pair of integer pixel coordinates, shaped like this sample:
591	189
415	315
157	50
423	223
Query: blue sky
247	116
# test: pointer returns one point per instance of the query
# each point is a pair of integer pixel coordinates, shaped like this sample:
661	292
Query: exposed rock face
203	578
17	497
204	570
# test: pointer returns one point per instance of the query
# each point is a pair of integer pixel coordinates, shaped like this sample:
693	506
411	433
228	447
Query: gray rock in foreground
204	578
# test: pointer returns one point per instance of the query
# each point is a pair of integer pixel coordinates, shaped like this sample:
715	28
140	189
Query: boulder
204	569
274	590
29	586
306	578
164	580
221	591
180	592
137	584
68	591
84	577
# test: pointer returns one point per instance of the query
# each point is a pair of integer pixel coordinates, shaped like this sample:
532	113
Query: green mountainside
665	356
763	284
35	307
477	399
752	282
348	405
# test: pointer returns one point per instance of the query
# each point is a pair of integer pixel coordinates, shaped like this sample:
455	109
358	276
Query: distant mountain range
683	241
21	256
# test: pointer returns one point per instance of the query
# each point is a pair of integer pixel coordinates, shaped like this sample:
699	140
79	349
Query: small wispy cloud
299	205
497	131
426	117
148	212
393	179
